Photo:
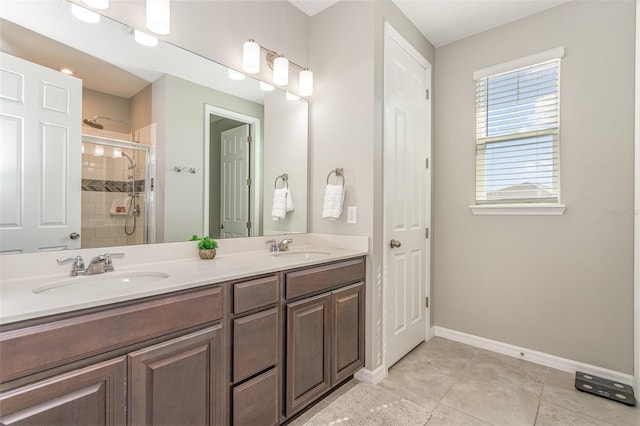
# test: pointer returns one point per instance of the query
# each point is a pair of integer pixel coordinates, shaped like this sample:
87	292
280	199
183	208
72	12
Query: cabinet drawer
254	294
256	401
74	338
307	281
255	343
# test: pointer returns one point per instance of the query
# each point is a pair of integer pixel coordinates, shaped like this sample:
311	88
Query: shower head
132	164
93	123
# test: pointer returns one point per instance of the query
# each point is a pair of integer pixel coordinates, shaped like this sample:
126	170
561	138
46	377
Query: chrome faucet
284	244
98	264
276	247
78	265
101	263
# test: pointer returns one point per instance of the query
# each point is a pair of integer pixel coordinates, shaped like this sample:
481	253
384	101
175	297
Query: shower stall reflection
115	193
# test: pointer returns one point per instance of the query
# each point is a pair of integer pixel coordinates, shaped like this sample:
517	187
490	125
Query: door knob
220	226
395	244
74	235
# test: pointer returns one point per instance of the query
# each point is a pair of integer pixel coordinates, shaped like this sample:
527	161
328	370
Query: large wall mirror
141	144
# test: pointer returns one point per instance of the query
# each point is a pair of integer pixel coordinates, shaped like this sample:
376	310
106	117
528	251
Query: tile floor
442	382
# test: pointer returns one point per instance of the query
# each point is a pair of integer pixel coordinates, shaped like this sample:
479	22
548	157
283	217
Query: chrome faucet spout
284	244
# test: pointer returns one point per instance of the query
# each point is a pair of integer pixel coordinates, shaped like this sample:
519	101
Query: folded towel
333	200
289	202
279	208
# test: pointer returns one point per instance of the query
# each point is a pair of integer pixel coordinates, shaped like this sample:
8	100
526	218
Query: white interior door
40	150
406	196
234	190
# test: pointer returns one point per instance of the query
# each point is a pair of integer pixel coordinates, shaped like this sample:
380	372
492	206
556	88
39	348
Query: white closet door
40	154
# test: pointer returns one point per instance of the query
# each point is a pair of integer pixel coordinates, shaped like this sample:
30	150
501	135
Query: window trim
520	209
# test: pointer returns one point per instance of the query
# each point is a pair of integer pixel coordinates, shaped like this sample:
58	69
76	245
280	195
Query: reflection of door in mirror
40	113
234	176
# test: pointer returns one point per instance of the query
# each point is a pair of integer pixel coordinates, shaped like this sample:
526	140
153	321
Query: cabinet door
178	382
308	350
94	395
255	403
347	332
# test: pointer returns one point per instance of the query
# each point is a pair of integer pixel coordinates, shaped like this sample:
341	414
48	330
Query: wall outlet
352	214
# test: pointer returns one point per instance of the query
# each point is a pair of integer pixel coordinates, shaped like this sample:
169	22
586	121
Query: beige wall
561	285
347	45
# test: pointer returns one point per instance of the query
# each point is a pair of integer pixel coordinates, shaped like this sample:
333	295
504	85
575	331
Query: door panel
40	118
406	197
234	205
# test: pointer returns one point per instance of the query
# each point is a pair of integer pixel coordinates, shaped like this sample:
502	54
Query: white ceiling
445	21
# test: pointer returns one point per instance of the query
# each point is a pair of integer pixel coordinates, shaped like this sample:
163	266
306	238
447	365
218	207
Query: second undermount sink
302	254
109	280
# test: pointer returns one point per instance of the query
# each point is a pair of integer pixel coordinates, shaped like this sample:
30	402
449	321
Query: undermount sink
302	254
107	280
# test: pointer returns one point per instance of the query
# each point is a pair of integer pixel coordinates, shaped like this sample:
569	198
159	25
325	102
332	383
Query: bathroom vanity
252	350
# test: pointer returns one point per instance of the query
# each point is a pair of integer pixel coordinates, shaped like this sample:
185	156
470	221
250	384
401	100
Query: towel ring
339	172
285	181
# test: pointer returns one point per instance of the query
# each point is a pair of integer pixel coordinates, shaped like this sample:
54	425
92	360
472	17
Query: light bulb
84	14
281	71
97	4
145	39
159	16
251	57
305	83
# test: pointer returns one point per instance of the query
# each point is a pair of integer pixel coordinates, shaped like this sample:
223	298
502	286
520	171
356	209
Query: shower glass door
116	192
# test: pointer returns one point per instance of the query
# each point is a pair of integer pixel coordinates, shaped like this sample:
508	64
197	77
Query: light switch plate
352	214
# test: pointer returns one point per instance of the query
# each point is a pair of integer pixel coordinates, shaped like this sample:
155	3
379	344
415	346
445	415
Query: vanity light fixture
159	16
278	63
85	14
235	75
97	4
145	39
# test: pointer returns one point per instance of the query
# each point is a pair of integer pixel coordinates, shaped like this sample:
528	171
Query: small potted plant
206	246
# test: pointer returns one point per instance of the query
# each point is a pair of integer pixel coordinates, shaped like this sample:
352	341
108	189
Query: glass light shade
281	71
305	83
98	151
117	153
97	4
145	39
266	87
251	57
291	97
235	75
84	14
159	16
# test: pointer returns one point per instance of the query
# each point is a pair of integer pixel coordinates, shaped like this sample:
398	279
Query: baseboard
370	376
536	357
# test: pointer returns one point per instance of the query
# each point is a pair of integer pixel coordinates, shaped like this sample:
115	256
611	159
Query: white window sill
518	209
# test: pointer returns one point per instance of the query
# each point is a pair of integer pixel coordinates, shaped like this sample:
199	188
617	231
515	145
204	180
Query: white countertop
21	275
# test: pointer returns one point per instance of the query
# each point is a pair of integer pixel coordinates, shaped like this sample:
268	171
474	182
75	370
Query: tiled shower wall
105	181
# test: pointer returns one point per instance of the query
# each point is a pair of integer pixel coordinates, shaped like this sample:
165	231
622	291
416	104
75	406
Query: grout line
544	384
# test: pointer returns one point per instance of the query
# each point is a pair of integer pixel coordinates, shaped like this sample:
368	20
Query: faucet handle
273	246
108	264
78	265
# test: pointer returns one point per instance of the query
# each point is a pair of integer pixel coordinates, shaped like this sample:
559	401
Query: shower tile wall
105	181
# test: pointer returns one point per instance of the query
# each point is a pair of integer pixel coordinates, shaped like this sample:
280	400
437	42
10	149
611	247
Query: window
517	131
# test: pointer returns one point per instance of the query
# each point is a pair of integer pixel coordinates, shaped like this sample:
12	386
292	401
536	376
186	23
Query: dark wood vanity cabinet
165	354
250	352
325	330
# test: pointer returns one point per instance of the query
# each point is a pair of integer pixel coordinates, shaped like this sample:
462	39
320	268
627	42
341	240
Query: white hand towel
333	200
279	208
289	202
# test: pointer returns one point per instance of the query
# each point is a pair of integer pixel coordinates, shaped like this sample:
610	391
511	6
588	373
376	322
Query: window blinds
517	129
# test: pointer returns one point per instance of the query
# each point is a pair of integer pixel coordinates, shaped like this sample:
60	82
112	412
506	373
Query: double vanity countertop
151	270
